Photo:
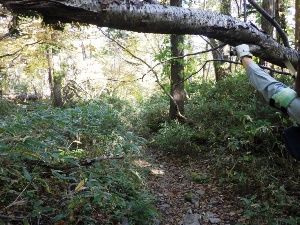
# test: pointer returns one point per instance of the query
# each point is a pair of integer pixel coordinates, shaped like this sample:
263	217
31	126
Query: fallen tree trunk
138	16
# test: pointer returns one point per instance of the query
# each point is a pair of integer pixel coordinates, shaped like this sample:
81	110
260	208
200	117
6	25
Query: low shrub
174	138
42	177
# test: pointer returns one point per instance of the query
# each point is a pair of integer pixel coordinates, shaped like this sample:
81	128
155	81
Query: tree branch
154	72
212	46
234	62
85	162
183	56
19	50
272	21
155	18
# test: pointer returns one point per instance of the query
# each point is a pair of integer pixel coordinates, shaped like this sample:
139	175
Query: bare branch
212	46
154	72
234	62
156	18
186	55
272	21
19	50
85	162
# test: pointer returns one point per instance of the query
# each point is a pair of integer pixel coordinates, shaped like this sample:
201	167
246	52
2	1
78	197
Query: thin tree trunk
57	99
267	27
220	71
297	24
50	71
177	84
269	7
177	70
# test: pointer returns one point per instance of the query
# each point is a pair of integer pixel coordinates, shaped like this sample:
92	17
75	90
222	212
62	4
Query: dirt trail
186	190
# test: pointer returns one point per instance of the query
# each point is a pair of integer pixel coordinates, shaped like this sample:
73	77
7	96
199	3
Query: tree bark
177	70
297	24
57	99
155	18
268	6
220	71
50	71
267	27
177	79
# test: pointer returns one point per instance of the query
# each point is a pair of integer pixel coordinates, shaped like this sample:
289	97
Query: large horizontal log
138	16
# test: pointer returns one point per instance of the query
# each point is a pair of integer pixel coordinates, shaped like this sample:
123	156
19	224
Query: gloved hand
243	50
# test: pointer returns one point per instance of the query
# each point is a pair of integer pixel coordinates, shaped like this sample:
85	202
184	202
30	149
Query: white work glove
243	50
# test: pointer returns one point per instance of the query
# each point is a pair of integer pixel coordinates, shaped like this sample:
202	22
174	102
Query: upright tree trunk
280	12
297	24
266	26
57	99
220	71
50	71
177	69
55	82
269	7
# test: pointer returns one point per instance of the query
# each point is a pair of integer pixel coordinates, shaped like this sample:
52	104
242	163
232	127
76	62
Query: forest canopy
158	18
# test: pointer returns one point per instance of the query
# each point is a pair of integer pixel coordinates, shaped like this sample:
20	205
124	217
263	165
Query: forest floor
186	193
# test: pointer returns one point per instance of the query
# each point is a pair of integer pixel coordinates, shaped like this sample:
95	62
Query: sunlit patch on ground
141	163
157	171
153	169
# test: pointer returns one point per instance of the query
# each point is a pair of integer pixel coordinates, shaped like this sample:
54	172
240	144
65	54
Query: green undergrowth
51	173
241	136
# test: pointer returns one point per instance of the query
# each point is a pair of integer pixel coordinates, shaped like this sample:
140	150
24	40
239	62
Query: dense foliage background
80	105
42	149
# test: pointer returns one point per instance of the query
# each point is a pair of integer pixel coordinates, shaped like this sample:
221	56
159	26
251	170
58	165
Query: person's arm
258	78
246	61
297	81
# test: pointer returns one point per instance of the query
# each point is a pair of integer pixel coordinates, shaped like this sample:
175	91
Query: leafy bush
40	174
246	149
236	115
153	113
6	108
174	138
240	135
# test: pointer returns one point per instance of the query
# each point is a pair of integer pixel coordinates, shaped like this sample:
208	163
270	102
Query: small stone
213	201
200	192
214	220
163	206
125	221
195	199
197	204
191	219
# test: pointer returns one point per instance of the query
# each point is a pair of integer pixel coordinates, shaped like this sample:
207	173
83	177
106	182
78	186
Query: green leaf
57	218
37	203
26	174
291	221
4	147
25	221
133	146
70	159
35	143
46	186
35	213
